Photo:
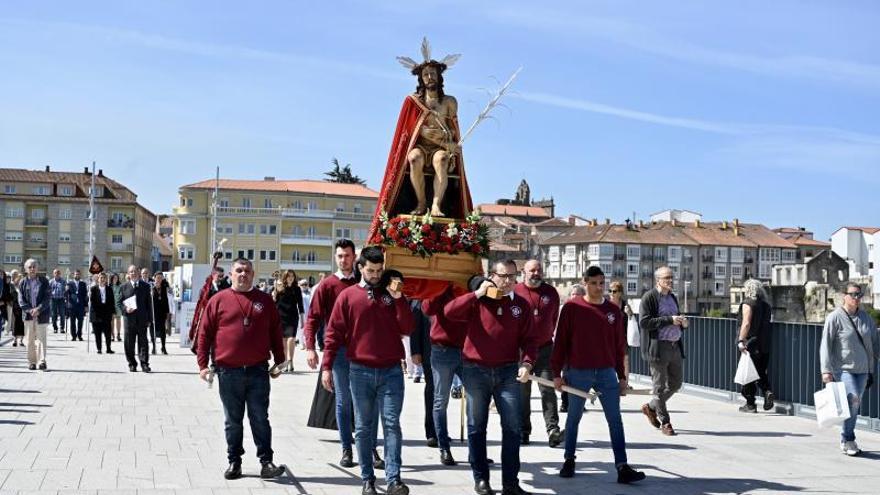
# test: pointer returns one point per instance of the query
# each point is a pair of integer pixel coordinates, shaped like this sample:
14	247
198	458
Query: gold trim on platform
457	268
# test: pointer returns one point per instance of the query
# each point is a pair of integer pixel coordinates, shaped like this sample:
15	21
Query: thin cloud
643	39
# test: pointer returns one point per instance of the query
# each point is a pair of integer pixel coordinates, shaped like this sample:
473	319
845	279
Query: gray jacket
841	350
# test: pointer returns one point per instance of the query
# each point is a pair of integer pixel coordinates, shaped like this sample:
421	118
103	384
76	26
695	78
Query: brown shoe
651	415
667	430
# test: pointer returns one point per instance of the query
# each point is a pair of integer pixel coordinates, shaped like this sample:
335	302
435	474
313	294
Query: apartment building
860	247
278	224
46	217
706	258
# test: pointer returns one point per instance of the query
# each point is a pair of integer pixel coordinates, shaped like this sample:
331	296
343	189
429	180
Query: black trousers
101	329
160	329
430	432
548	394
136	332
749	390
76	324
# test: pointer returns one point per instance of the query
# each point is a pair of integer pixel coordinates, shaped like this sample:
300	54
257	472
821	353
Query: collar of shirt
340	276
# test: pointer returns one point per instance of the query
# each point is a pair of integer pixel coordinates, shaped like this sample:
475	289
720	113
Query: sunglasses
855	295
508	276
613	291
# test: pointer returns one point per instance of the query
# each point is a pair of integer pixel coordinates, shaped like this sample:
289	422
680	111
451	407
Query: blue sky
765	111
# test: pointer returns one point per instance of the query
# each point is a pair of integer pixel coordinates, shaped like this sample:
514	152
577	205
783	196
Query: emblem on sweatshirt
545	300
516	311
611	318
258	307
386	299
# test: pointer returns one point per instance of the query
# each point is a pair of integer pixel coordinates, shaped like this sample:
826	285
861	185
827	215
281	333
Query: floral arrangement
424	237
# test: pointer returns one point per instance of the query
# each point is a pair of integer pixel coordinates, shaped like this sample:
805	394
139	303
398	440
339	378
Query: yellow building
278	224
45	217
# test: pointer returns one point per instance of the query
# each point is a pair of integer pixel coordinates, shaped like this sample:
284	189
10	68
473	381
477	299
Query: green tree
875	313
342	174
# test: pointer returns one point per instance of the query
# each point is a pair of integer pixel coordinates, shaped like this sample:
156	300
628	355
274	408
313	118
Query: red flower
400	242
405	231
412	246
459	246
476	248
426	228
428	244
395	220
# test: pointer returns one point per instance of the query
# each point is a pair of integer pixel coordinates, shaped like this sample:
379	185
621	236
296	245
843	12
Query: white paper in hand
130	303
745	372
832	406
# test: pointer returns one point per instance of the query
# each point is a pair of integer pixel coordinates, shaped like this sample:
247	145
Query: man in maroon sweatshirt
589	348
544	303
499	333
242	326
368	321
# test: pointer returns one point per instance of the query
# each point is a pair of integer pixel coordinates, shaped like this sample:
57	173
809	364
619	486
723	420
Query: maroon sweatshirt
545	300
589	336
498	332
369	329
235	345
444	331
322	305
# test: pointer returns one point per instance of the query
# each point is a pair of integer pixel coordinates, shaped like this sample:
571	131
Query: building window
569	270
246	202
12	259
719	288
267	255
224	228
65	191
246	228
737	255
606	268
313	205
38	214
764	269
9	188
42	190
311	257
553	270
721	254
720	270
674	253
768	254
632	269
223	203
64	260
14	212
186	252
99	193
633	251
267	203
296	205
267	229
358	208
343	233
311	231
788	255
63	237
340	206
569	253
116	263
736	271
14	236
246	253
65	214
116	238
632	287
553	254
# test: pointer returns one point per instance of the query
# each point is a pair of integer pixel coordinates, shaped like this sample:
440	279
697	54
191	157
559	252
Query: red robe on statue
396	195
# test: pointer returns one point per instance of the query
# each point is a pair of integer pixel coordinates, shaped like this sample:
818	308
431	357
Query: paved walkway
90	426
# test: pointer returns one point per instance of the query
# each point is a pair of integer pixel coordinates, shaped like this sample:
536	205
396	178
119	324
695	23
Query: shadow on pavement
767	434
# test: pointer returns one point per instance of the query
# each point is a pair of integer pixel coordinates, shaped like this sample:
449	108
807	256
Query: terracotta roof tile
801	240
294	186
513	210
867	230
83	180
651	233
575	235
553	222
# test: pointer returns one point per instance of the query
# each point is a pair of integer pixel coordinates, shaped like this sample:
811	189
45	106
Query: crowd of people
495	336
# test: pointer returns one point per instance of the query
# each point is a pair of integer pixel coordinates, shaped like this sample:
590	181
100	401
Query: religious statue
425	144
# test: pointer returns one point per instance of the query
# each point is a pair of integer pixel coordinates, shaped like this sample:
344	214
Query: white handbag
633	336
745	372
832	406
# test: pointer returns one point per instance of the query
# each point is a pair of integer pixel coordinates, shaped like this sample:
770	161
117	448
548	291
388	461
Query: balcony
325	214
708	275
303	265
749	259
35	244
126	223
119	246
243	211
354	216
708	258
36	222
619	257
307	240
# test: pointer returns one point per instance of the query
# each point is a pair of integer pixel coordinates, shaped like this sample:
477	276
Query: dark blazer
77	294
160	299
143	315
42	302
650	323
290	305
102	312
420	338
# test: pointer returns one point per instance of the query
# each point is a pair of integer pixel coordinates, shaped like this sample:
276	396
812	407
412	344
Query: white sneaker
851	448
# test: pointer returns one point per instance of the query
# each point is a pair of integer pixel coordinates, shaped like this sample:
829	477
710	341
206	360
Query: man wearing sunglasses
848	353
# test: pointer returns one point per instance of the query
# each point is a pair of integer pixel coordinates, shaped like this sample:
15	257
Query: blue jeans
377	391
481	384
343	397
58	310
855	387
604	381
445	364
240	388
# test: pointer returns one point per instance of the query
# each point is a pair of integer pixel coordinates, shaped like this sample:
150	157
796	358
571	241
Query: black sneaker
369	488
626	474
233	472
446	458
482	487
378	463
769	401
347	460
397	487
270	470
132	367
43	366
32	367
567	470
524	439
431	442
748	408
556	437
514	490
